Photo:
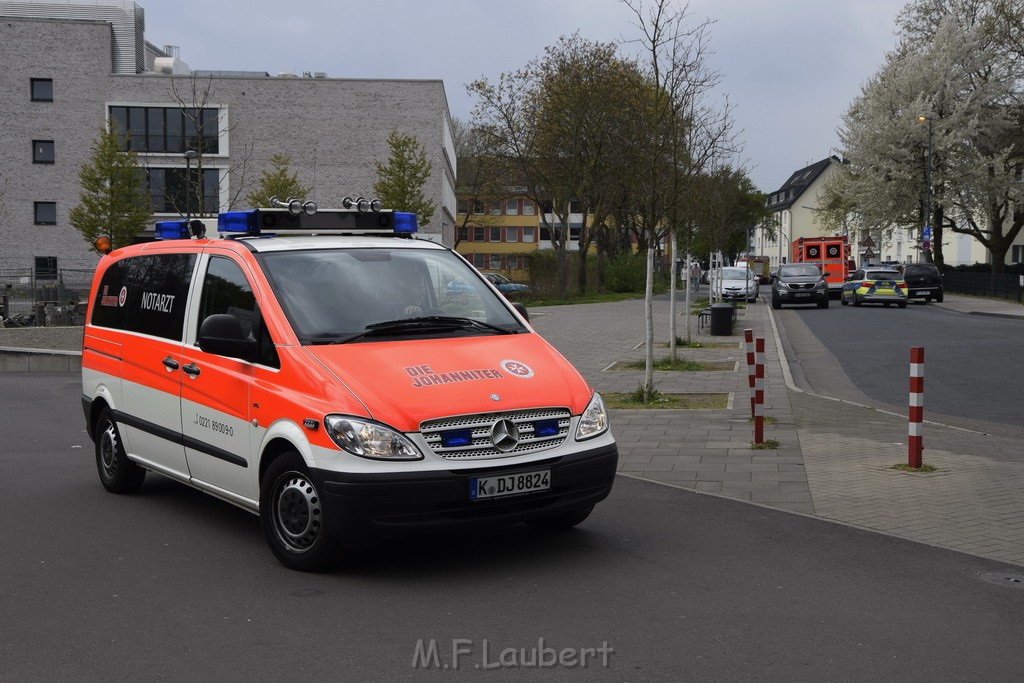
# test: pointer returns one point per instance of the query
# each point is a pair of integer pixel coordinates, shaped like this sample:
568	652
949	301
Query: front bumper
806	296
369	506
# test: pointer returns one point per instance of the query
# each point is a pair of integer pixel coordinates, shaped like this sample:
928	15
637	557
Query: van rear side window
145	294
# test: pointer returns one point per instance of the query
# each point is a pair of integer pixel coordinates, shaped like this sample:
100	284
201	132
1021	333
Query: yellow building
496	237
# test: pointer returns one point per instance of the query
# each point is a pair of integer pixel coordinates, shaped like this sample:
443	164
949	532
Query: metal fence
988	285
32	297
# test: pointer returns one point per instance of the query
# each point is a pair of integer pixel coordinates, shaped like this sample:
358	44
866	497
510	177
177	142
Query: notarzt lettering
152	301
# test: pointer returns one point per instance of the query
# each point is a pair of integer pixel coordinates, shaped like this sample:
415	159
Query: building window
496	208
1018	253
512	234
42	90
479	260
529	234
168	130
42	151
494	234
529	208
46	213
463	206
463	234
575	206
479	234
168	189
512	207
494	261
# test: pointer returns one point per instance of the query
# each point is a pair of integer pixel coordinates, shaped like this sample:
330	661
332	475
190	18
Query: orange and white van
337	376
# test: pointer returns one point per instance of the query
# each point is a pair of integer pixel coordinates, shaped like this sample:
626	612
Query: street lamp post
928	189
189	156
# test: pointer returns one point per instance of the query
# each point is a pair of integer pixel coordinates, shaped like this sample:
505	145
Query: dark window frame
39	148
167	130
35	84
37	206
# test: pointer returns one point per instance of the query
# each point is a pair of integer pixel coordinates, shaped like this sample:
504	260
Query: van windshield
334	295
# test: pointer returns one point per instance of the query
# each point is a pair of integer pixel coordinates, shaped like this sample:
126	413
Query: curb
39	360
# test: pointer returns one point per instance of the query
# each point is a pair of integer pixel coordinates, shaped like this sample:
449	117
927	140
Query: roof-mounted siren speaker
294	206
360	204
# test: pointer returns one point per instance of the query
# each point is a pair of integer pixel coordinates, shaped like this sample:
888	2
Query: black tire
843	301
901	305
776	303
855	301
117	473
938	298
293	517
563	520
823	304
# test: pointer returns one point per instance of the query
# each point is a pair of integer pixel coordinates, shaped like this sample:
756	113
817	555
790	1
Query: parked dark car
799	283
923	281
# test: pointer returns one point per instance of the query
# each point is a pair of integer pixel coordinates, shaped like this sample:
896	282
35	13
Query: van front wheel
292	516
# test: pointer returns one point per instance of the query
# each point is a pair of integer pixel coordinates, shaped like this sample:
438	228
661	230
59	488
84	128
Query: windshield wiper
446	321
413	325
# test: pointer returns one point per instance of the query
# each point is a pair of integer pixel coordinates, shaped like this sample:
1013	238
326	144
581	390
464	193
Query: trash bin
721	319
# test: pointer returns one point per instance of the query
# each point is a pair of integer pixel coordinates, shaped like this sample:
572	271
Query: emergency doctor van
337	376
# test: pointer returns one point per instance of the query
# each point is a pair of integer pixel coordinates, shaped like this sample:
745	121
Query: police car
313	367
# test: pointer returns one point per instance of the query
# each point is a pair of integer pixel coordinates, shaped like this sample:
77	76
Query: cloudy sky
790	67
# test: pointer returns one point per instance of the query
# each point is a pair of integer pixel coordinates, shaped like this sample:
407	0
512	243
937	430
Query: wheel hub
297	512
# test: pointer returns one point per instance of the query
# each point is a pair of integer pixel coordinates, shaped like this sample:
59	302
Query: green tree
277	181
113	201
400	183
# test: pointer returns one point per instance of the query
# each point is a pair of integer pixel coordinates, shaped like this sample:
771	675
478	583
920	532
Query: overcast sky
790	67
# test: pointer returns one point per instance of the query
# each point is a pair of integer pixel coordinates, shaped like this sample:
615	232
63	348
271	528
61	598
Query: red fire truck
831	254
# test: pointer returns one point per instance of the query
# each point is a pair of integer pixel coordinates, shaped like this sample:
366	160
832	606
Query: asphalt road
171	584
974	365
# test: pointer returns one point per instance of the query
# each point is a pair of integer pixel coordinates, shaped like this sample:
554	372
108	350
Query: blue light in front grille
545	427
457	437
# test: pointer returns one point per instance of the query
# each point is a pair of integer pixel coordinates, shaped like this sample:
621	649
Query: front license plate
501	485
803	294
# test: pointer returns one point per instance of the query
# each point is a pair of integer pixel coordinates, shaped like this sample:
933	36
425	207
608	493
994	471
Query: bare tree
686	133
194	94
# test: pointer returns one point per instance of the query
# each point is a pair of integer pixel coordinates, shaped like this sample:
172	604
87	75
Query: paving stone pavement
834	458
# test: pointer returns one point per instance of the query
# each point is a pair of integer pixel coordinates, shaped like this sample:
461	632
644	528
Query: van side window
226	290
146	294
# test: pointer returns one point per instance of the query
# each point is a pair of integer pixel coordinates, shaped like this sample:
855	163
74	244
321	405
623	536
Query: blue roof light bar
245	222
405	223
172	230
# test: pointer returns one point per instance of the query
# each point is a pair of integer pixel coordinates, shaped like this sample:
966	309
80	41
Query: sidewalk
834	458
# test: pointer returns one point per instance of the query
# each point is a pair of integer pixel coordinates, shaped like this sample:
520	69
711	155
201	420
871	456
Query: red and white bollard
759	390
748	341
916	414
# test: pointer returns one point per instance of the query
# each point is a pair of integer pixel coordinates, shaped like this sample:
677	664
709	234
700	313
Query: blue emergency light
246	222
280	221
405	223
454	438
173	230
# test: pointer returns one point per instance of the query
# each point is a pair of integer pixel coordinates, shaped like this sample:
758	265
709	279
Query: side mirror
221	334
521	309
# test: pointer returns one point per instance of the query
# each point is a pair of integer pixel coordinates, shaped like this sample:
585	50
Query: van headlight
594	420
370	439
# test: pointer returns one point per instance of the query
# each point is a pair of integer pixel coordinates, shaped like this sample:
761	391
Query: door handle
192	370
170	363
